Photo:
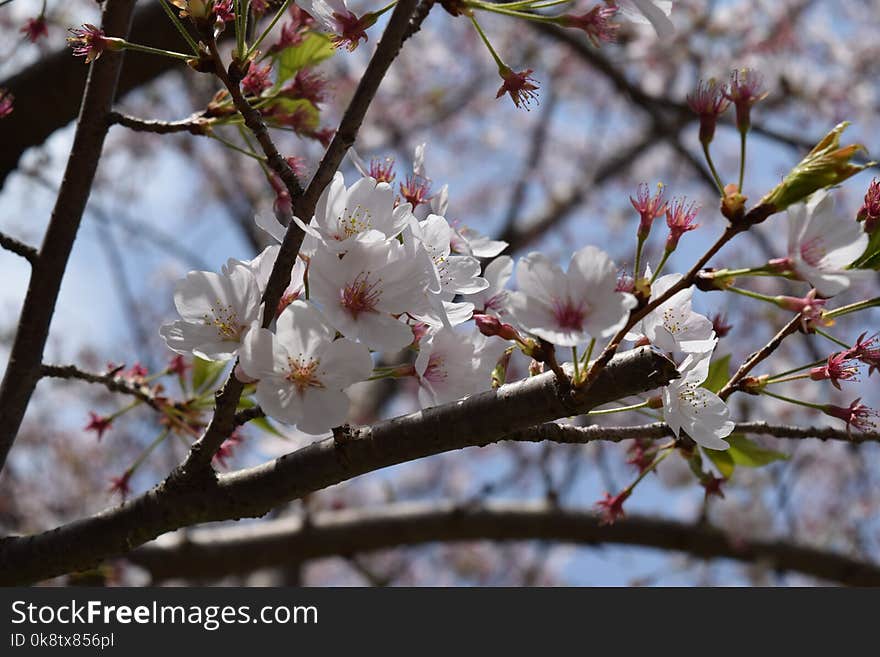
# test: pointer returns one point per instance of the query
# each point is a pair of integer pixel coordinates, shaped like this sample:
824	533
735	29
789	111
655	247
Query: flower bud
828	164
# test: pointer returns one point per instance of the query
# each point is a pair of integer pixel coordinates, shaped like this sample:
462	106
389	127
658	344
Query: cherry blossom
261	267
217	310
568	308
674	326
361	292
687	406
494	299
335	17
364	212
467	241
302	370
821	245
655	12
450	274
449	367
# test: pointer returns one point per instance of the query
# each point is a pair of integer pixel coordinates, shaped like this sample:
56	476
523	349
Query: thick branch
13	245
23	371
211	553
477	421
48	92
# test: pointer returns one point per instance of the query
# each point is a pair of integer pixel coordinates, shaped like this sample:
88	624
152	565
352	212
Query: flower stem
241	16
742	159
824	334
711	164
589	352
749	293
638	265
180	27
621	409
149	450
661	265
241	150
786	379
773	378
797	402
498	61
853	307
574	360
127	45
268	29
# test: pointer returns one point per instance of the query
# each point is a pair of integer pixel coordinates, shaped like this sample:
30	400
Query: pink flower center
568	315
812	251
361	295
436	372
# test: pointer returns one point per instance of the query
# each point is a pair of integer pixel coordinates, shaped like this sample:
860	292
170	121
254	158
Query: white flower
568	308
655	12
821	245
361	291
494	299
364	212
302	370
467	241
261	267
268	222
217	310
450	366
696	410
450	274
674	326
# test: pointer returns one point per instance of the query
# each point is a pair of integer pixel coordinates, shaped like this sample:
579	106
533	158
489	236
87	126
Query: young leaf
719	374
312	50
870	259
205	373
264	424
749	454
723	460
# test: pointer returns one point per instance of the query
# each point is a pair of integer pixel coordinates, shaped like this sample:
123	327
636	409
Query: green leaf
723	460
870	259
312	50
750	454
719	374
205	373
264	424
312	117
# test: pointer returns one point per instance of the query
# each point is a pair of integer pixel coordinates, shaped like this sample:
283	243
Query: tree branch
194	125
208	553
478	421
48	92
405	20
110	381
23	370
13	245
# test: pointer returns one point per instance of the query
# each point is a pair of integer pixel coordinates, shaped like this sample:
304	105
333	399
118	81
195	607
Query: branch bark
178	502
48	93
209	553
23	370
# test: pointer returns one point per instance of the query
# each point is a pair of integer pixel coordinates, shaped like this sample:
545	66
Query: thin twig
13	245
196	124
758	356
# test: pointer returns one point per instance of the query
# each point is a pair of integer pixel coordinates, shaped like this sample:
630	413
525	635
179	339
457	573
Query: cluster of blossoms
379	274
371	276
